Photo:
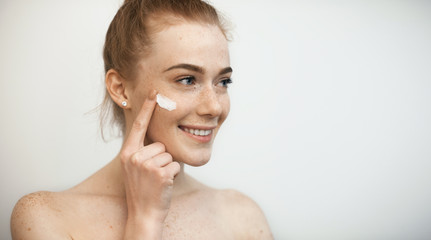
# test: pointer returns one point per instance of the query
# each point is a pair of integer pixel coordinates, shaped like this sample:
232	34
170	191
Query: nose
209	103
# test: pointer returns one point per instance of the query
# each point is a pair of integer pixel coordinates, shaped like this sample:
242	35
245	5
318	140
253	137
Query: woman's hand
148	173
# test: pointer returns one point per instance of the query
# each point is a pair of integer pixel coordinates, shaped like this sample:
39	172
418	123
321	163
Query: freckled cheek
185	105
162	118
161	126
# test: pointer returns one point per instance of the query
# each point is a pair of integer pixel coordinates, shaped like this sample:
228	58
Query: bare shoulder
244	215
35	217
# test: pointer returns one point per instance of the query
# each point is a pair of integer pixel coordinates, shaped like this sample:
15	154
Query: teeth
198	132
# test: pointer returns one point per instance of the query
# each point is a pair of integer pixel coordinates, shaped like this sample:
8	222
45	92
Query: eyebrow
197	69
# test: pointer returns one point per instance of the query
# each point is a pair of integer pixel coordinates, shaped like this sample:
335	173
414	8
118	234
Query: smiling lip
200	133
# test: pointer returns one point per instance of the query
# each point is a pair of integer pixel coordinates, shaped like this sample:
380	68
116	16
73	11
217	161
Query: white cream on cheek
166	103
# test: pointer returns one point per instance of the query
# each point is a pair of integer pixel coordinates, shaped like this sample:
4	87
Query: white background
329	130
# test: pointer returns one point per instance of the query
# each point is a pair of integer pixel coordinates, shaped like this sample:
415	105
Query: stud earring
124	103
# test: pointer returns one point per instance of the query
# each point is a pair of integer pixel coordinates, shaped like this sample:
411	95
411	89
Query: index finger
136	137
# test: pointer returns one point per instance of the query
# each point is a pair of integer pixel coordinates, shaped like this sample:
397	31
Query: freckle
110	227
28	229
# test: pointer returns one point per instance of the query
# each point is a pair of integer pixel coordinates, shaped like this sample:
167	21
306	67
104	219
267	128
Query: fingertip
152	94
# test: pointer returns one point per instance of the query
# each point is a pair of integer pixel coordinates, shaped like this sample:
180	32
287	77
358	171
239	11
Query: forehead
189	42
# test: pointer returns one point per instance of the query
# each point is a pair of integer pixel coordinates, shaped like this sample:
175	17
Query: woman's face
189	63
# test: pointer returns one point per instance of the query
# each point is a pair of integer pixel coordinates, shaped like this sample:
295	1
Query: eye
189	80
225	82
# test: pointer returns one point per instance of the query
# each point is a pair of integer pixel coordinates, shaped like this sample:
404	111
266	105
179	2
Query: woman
177	49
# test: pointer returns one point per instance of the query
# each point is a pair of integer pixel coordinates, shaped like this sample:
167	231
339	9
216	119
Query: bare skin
96	209
143	193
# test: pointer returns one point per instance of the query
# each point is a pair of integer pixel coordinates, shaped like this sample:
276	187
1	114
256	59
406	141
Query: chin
195	159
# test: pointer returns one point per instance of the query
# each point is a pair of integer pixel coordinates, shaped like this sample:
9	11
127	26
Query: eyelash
190	80
226	82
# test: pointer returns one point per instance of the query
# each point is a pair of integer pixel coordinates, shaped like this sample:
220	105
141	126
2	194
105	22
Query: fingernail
152	95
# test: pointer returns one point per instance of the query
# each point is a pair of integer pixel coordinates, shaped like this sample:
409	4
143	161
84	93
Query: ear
116	87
